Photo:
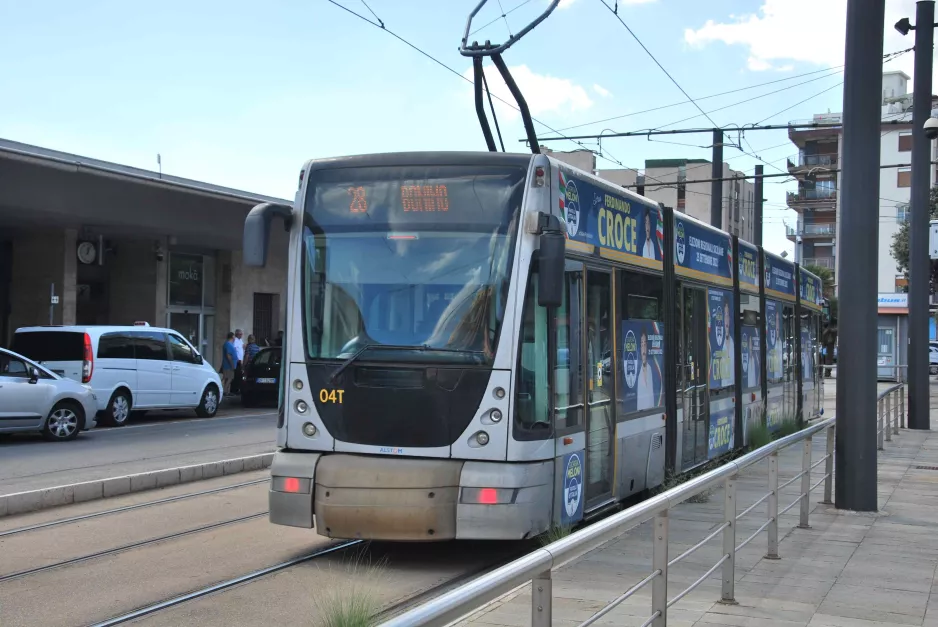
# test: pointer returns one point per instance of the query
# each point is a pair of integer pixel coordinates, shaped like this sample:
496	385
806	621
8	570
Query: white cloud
602	91
807	31
543	93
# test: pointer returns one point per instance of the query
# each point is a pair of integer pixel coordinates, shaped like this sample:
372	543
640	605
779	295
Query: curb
35	500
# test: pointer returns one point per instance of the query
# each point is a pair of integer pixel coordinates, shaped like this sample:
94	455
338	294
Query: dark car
261	377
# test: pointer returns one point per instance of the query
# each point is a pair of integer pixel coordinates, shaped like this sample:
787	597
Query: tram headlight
309	429
301	407
297	385
499	393
496	415
482	438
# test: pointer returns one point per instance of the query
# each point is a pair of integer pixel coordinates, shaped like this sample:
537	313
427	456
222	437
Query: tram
488	345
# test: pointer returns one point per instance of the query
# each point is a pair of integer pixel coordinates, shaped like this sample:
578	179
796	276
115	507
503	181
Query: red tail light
291	484
87	364
488	496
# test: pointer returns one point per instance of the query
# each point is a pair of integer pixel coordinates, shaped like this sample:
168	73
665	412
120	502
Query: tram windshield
414	260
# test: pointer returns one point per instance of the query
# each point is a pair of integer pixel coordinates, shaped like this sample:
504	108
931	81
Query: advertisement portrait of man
648	251
752	377
645	386
729	346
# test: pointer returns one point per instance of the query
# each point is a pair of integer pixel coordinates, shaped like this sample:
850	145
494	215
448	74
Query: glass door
600	426
885	353
695	399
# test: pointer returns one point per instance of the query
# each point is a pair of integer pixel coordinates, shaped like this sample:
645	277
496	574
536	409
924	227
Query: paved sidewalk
847	570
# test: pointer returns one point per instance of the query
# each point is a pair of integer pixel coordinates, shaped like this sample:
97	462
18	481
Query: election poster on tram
616	222
721	432
642	365
720	335
751	356
774	342
807	356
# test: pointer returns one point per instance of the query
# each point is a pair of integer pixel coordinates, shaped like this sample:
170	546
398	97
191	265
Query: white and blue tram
486	345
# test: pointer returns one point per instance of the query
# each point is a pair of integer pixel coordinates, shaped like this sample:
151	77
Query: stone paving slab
848	569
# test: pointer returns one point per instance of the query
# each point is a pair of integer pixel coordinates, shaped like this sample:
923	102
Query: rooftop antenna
477	51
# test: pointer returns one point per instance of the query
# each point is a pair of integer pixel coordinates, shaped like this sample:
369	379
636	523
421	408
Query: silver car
34	399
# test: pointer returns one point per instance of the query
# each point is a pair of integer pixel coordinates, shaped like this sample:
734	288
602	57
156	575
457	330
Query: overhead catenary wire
658	63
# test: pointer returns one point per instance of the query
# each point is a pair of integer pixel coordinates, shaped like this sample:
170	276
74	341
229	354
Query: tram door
694	365
600	391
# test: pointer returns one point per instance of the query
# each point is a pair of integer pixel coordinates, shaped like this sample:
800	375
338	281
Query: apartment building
817	199
671	182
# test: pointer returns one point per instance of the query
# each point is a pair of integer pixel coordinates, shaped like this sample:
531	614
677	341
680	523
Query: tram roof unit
419	158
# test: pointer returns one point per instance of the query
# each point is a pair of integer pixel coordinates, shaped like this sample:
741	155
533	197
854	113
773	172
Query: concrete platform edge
45	498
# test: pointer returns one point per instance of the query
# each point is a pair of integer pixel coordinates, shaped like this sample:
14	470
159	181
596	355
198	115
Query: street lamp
924	129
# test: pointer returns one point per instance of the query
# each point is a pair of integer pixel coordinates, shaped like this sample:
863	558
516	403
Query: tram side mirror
551	269
257	231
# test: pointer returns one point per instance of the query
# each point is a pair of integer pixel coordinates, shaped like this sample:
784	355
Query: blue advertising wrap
748	267
721	432
779	278
774	343
751	356
809	290
642	359
623	227
572	493
720	335
703	253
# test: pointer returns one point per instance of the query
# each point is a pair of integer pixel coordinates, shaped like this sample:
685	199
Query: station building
84	241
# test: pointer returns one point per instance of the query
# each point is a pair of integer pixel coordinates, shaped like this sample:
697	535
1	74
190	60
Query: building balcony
803	162
812	231
821	262
823	198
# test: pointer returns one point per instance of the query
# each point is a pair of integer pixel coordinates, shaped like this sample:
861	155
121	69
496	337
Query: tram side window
532	407
640	339
788	320
775	342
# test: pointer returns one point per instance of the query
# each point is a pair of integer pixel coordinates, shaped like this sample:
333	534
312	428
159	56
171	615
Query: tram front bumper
403	499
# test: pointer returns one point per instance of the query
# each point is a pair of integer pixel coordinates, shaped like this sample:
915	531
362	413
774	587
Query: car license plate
265	380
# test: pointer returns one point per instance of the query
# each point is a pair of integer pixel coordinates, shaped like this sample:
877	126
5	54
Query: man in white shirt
645	386
752	377
648	250
239	347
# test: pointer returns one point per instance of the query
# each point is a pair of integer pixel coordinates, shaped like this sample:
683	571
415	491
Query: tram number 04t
331	396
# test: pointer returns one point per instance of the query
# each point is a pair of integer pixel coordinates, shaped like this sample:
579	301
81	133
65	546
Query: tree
900	240
826	276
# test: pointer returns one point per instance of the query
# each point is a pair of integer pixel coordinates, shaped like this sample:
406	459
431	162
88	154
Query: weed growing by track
352	598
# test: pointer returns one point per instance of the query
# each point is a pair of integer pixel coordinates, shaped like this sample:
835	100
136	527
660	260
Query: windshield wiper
421	348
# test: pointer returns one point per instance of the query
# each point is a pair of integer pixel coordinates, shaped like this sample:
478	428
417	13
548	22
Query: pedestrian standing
251	350
239	347
229	362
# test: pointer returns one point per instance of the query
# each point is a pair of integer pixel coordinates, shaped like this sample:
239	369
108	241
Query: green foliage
553	534
351	598
900	240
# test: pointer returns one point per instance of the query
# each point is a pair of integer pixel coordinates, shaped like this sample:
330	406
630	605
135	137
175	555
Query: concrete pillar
40	259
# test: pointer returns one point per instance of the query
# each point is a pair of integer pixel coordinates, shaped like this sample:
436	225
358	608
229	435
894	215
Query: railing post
805	483
659	587
895	425
728	596
541	598
879	429
887	428
772	529
829	468
902	393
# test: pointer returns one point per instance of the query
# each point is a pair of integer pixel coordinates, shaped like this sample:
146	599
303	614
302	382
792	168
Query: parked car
129	368
34	399
261	377
932	359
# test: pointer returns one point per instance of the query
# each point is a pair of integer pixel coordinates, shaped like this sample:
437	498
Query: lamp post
919	266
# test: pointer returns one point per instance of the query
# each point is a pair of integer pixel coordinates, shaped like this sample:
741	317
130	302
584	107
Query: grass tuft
352	599
553	534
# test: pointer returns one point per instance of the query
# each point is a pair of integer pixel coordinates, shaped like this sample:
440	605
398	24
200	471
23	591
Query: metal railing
802	160
807	195
812	229
536	567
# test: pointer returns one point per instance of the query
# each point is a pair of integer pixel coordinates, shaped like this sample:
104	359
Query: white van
129	368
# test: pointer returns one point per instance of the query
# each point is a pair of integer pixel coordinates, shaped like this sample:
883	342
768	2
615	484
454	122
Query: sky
241	93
